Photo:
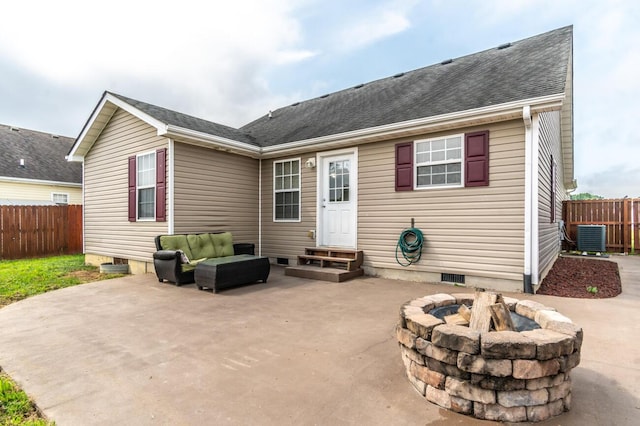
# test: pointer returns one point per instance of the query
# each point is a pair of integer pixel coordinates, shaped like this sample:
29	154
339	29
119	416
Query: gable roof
531	68
43	155
491	85
167	123
177	119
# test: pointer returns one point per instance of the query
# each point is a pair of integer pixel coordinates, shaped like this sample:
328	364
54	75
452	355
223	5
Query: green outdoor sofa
211	260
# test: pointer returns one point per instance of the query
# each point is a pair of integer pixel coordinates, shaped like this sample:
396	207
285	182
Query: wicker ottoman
231	271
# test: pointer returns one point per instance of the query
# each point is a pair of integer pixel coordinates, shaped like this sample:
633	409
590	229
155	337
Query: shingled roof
43	155
178	119
526	69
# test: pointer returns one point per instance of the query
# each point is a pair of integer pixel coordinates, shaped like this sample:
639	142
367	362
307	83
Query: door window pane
339	181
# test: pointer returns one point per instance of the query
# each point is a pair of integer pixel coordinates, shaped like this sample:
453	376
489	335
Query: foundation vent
452	278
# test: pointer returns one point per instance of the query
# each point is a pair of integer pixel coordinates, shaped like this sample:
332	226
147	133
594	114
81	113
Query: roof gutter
511	110
208	140
40	182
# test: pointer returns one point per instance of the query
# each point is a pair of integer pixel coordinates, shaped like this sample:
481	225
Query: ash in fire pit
516	376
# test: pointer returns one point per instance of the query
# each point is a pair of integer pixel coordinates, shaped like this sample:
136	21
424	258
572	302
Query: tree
586	196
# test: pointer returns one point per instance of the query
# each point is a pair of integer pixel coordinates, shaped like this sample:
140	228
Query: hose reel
410	245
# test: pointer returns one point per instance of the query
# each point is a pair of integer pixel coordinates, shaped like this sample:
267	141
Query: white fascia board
40	182
456	119
159	125
212	140
83	139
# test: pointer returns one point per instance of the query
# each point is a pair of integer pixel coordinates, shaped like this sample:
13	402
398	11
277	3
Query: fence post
626	225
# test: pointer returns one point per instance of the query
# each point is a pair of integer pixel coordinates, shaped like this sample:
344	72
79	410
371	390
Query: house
33	169
477	151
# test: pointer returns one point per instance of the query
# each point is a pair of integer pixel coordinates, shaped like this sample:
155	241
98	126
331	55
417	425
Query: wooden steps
328	264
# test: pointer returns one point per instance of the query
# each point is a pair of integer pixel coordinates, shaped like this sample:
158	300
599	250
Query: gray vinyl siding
566	126
549	145
107	229
288	239
475	231
215	191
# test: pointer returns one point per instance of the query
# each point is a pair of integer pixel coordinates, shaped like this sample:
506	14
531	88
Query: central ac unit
592	238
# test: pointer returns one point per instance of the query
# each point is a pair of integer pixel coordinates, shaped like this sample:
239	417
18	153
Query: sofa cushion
201	246
223	243
176	242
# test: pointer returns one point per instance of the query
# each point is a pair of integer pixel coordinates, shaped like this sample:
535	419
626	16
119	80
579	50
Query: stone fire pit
513	376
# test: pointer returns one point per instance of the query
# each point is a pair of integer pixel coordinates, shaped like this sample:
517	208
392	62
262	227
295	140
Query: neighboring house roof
43	155
491	85
526	69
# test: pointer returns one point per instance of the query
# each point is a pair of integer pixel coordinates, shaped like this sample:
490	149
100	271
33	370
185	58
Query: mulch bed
571	276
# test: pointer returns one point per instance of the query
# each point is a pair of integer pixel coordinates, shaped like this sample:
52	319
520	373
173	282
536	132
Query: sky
232	61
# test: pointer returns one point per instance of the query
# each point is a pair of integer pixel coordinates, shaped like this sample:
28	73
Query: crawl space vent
452	278
282	261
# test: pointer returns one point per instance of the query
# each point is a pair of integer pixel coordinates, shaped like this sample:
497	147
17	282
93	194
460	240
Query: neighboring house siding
549	146
108	231
215	191
288	239
35	192
475	231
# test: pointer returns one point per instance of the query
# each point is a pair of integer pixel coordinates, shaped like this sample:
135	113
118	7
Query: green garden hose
410	244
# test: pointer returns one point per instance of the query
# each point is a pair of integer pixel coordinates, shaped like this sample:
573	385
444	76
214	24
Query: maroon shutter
161	185
132	188
404	166
476	161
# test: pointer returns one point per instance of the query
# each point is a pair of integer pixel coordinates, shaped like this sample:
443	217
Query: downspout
535	189
260	207
528	198
84	209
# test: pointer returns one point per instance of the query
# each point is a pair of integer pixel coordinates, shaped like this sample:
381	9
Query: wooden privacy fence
33	231
620	218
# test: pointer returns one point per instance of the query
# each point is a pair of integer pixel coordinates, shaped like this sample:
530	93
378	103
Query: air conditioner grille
592	238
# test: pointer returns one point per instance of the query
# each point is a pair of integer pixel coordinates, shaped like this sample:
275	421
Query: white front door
338	200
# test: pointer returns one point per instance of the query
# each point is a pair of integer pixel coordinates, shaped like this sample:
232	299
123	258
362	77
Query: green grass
15	406
27	277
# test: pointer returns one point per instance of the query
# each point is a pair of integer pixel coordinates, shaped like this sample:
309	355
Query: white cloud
151	49
606	90
371	26
617	181
215	60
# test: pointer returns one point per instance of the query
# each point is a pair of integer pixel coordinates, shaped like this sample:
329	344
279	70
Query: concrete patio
293	351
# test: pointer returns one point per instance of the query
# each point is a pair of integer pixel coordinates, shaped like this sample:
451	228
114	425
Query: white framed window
286	190
439	162
146	186
60	198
